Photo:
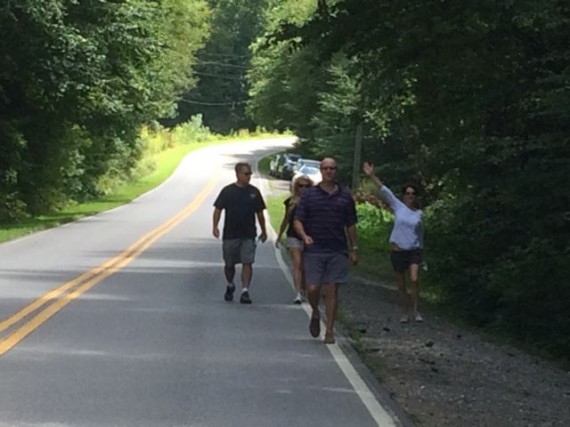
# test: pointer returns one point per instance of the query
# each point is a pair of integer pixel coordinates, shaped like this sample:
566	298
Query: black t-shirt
241	204
291	217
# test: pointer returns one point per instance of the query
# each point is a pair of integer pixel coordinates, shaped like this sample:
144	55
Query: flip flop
329	338
315	327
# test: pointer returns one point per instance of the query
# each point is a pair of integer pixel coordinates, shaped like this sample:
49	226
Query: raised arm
368	169
385	192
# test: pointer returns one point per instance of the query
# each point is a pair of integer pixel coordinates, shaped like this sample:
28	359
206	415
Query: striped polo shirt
325	217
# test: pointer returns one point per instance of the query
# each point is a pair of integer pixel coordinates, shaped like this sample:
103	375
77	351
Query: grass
166	163
275	210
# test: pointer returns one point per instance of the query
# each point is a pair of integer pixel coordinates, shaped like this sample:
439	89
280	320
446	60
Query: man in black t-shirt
242	203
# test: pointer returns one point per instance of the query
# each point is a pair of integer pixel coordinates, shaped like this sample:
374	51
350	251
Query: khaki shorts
239	251
293	242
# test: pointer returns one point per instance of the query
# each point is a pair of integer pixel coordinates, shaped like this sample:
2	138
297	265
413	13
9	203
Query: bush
192	131
374	226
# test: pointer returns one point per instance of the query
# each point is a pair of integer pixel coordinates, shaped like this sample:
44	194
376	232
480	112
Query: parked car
286	165
273	163
309	169
309	162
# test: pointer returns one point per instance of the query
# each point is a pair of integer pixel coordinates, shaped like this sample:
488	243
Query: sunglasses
328	168
247	173
413	193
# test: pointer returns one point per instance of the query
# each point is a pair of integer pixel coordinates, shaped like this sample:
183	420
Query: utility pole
357	155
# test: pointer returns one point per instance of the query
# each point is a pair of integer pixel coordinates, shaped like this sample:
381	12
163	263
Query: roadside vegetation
162	151
471	102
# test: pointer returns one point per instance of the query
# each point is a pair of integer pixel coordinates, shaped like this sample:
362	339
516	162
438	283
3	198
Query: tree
222	89
471	100
78	79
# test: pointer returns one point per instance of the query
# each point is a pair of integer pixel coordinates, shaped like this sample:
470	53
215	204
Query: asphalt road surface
119	320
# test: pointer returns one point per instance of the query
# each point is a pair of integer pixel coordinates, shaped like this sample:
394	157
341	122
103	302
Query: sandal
329	338
315	327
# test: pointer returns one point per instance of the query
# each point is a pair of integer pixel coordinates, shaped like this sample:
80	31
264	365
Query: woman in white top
406	242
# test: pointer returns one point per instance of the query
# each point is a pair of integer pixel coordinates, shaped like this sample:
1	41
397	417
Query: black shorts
401	260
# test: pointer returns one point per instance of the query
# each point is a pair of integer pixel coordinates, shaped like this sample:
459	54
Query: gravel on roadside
444	376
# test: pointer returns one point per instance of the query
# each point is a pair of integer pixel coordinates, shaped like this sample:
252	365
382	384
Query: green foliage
193	131
77	81
285	78
471	101
374	227
221	67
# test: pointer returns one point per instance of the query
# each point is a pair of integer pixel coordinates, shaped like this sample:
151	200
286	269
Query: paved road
119	320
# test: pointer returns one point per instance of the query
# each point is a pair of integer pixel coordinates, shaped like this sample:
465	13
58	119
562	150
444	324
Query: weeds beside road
441	374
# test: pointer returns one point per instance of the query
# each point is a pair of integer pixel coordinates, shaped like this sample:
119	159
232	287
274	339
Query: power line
227	55
219	76
216	104
223	64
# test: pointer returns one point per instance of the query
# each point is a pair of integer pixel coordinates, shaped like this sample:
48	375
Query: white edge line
382	417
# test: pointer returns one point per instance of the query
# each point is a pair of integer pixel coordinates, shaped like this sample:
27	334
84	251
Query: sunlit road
119	320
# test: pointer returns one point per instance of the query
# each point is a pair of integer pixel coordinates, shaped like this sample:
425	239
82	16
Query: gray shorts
323	268
239	251
293	242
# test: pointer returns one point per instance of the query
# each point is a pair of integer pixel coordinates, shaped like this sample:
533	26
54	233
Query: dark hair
409	185
240	165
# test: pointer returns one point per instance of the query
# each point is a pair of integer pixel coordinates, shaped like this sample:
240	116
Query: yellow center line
60	297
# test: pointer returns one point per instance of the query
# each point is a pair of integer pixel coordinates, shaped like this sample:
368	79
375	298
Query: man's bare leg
246	275
331	303
314	295
230	272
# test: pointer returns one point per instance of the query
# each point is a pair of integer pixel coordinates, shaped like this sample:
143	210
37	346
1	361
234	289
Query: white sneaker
404	318
298	299
418	317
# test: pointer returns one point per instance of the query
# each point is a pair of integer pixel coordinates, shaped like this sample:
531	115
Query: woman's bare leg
415	284
297	267
403	294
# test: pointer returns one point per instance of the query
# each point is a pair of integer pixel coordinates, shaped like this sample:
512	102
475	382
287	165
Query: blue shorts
325	268
238	251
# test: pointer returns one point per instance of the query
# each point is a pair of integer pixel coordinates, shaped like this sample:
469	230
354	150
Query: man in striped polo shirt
325	216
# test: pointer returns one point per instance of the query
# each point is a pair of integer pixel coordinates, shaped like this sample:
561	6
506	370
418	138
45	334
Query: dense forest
77	81
471	100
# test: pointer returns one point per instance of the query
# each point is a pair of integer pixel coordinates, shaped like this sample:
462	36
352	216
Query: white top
407	233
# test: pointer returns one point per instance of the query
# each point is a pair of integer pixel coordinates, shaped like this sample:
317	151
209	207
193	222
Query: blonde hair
296	191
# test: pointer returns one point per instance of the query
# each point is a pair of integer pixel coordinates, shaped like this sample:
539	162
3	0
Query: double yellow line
43	308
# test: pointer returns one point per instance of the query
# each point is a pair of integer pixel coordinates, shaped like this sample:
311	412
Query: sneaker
329	338
418	317
229	295
404	318
245	299
298	299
